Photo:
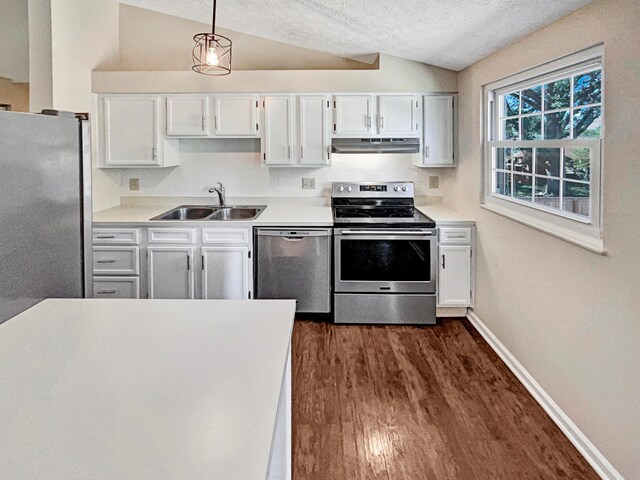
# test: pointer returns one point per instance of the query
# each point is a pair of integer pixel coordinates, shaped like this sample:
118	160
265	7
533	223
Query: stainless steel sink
195	212
236	213
186	213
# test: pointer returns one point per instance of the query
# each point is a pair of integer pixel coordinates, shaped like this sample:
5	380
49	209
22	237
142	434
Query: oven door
385	261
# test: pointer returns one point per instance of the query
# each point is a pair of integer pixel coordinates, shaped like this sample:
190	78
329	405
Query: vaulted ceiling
447	33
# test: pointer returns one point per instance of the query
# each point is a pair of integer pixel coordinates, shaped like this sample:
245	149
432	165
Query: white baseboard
587	449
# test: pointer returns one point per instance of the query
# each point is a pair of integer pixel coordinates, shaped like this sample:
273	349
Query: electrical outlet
134	184
434	182
308	183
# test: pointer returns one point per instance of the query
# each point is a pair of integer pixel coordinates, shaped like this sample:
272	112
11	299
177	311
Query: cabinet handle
301	152
204	123
426	151
105	236
106	292
106	261
202	256
443	264
289	151
154	153
457	236
215	122
381	121
188	262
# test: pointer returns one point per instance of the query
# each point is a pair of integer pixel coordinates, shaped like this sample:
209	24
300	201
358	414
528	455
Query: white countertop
129	389
444	216
276	214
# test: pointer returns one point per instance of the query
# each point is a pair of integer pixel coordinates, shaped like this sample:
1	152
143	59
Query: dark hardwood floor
419	403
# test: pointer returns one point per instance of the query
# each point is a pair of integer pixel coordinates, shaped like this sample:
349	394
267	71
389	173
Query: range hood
375	145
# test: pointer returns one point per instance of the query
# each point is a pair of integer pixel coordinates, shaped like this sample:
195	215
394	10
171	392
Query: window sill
595	245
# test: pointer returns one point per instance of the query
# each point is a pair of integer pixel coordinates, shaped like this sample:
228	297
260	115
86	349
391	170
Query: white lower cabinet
170	272
455	269
209	263
225	272
116	287
116	263
455	276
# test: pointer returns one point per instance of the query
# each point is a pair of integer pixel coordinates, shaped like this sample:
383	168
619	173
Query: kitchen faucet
219	189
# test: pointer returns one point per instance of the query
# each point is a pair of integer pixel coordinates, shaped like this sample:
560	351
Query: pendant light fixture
212	52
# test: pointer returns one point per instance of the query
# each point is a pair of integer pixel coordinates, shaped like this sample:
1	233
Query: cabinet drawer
116	287
455	236
116	260
227	236
172	235
120	236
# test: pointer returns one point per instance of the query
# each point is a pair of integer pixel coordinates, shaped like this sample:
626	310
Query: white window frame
580	230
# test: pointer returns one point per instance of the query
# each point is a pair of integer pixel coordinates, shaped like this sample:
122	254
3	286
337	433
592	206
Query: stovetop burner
388	205
374	212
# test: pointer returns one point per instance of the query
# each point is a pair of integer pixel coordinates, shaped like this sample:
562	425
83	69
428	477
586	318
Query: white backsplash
205	162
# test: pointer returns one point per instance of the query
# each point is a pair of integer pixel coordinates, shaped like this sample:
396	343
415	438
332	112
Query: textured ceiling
447	33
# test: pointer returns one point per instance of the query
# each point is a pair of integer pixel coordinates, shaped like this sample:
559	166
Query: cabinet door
187	115
236	116
438	127
454	281
353	115
277	139
398	115
171	272
131	131
313	138
225	272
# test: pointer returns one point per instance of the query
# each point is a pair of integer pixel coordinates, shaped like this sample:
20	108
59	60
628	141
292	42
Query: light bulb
212	56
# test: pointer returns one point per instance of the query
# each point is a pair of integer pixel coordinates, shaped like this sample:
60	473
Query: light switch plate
308	183
434	182
134	184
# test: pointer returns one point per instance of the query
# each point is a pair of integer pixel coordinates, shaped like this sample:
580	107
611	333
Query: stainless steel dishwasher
294	263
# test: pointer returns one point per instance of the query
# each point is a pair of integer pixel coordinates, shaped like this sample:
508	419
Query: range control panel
372	190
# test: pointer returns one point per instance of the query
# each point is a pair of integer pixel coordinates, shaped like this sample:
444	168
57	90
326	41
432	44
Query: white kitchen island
156	389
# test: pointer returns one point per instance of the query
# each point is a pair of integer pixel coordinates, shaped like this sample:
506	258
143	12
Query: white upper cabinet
398	115
438	131
236	116
353	115
313	135
187	115
130	131
277	138
225	272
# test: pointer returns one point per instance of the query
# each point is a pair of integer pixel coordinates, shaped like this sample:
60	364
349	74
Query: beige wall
84	36
571	317
14	40
392	75
155	41
40	83
15	94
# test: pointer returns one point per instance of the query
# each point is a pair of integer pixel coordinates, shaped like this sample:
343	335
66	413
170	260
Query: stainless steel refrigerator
45	209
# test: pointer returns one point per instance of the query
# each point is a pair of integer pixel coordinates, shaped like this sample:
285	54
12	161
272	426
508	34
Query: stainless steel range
385	255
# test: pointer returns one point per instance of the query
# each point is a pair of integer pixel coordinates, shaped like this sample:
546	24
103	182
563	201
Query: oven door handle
388	232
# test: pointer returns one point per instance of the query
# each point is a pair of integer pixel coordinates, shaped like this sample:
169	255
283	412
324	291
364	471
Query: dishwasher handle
293	235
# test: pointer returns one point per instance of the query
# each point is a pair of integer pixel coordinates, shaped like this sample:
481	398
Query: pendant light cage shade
211	54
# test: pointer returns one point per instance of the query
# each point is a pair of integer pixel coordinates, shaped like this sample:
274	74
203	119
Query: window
542	147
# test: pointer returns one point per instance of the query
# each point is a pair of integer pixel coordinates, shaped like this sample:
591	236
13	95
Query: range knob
404	189
396	188
349	188
341	188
